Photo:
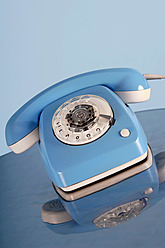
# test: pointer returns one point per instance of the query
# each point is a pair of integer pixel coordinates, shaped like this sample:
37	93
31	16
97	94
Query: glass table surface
25	187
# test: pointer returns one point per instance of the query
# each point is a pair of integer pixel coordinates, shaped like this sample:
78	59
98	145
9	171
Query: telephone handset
22	128
91	143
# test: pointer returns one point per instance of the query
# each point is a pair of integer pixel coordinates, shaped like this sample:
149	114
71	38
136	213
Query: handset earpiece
22	127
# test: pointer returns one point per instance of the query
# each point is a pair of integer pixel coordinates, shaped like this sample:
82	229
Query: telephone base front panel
73	166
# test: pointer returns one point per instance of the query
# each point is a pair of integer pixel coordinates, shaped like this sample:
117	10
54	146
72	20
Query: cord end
153	76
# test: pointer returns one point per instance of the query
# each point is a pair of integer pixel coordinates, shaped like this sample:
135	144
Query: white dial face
82	119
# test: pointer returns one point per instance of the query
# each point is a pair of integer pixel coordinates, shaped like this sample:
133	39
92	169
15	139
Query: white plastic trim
26	142
134	96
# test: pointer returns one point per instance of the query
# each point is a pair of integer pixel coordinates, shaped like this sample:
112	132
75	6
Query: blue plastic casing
26	119
67	164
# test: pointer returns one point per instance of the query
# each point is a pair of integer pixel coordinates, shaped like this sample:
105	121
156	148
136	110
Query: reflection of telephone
90	140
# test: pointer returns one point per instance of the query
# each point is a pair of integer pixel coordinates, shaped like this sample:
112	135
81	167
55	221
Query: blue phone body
67	164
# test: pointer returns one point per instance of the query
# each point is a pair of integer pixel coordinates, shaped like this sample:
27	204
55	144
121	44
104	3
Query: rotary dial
82	119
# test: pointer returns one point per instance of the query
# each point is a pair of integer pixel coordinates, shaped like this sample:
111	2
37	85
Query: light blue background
43	42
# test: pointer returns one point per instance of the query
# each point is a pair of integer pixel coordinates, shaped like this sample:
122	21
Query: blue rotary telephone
93	147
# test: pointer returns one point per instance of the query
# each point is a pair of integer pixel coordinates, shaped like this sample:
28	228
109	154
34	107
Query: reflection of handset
90	140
